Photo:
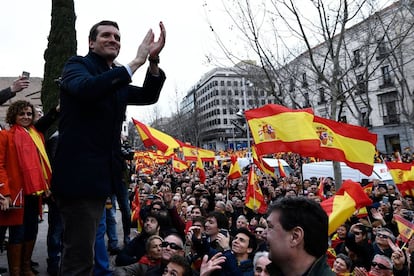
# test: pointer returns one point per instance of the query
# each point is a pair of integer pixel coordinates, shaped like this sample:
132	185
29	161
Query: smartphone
385	199
26	75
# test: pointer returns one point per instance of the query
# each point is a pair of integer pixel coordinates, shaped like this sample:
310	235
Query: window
389	108
307	102
361	84
224	111
322	96
386	77
225	121
222	83
343	119
291	85
304	80
357	58
382	49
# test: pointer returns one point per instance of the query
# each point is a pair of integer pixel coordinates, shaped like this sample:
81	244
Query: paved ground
40	253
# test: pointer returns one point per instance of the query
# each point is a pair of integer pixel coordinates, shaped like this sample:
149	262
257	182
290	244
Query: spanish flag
351	144
346	201
234	171
276	128
179	166
405	228
254	196
263	166
190	153
282	172
403	176
136	209
152	137
200	169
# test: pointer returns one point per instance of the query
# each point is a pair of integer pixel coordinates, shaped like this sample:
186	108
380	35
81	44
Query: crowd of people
185	226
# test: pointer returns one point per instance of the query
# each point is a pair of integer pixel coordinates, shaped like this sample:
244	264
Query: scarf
33	160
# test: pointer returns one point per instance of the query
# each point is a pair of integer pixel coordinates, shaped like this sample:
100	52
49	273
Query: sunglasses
156	209
258	232
357	233
29	114
382	236
172	245
380	266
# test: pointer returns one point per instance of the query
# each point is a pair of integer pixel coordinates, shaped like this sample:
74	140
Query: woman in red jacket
25	172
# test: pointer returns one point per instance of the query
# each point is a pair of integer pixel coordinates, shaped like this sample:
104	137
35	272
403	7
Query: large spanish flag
405	228
403	176
234	171
351	144
153	137
261	165
346	201
191	152
276	128
254	196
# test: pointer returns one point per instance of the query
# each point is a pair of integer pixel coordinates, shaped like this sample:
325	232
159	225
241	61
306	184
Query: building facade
369	82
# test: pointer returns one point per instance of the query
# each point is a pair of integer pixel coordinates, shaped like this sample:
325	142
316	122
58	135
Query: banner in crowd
351	144
234	171
153	137
405	228
254	196
403	176
344	203
261	165
276	128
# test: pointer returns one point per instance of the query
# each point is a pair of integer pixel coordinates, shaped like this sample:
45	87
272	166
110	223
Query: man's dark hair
94	30
222	221
307	214
199	219
252	237
181	261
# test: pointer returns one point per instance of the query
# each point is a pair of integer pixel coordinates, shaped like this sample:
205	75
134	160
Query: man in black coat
88	162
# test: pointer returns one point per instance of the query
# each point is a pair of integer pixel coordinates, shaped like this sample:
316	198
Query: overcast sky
26	25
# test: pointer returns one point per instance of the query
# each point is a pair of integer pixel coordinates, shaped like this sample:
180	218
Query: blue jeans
111	225
101	267
124	207
54	236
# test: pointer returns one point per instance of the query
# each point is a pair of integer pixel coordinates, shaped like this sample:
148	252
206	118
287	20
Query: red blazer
10	176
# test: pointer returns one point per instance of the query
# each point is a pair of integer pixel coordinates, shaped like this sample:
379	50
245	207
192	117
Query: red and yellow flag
405	228
254	196
263	166
234	171
351	144
321	188
190	153
346	201
276	128
200	169
136	208
403	176
152	137
282	172
179	166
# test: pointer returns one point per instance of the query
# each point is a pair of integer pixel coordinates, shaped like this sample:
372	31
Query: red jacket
10	176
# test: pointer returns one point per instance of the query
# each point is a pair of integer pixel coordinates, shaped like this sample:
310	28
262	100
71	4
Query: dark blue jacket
93	100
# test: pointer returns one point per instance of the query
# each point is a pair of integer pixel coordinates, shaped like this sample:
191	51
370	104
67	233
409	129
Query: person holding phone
94	93
18	85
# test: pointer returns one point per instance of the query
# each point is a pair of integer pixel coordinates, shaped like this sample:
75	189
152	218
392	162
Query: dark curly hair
15	108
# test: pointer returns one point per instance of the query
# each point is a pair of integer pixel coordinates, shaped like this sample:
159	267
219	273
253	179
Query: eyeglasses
357	233
258	232
156	209
29	114
172	245
380	266
383	236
